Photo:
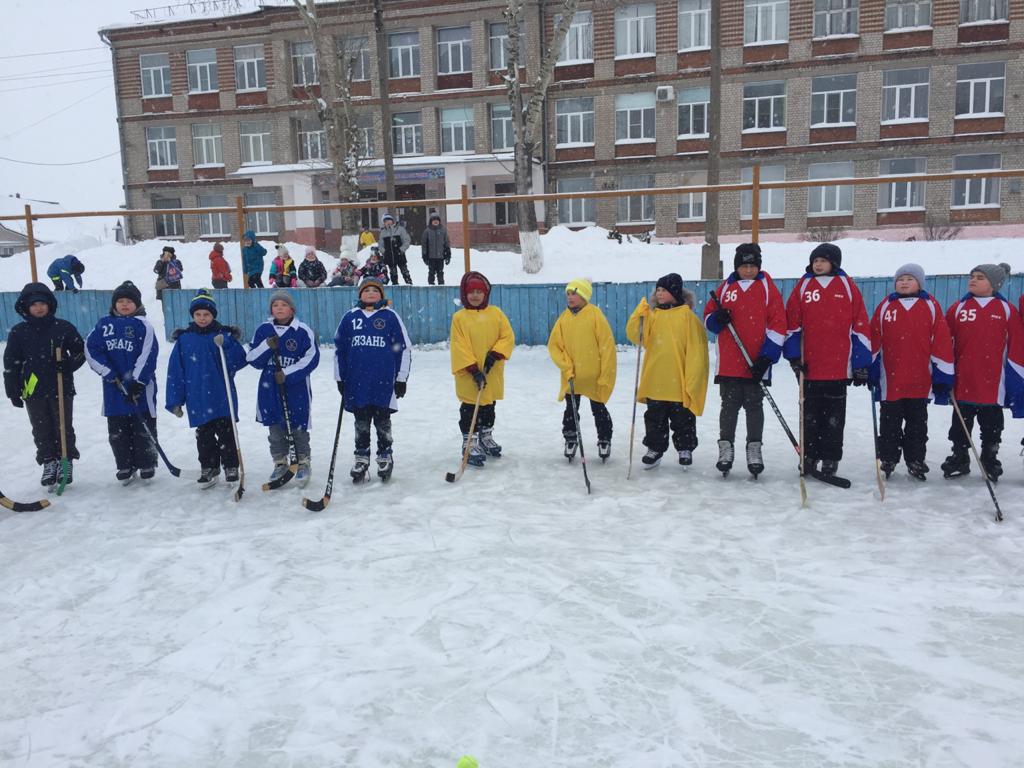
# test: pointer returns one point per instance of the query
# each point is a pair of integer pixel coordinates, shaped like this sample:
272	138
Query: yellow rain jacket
475	332
583	347
675	366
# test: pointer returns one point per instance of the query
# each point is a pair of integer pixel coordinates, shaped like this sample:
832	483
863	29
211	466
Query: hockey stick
451	477
579	437
636	390
219	341
319	505
65	464
22	506
803	467
977	458
878	459
149	432
293	461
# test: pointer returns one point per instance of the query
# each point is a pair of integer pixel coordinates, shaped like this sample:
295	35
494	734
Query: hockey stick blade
838	482
22	506
316	505
451	477
283	480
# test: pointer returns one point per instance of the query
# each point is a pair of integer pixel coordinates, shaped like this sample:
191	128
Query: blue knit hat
202	300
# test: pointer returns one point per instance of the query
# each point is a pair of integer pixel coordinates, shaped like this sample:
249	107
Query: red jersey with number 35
988	349
827	314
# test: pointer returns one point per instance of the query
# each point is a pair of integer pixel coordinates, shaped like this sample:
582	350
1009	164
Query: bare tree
528	117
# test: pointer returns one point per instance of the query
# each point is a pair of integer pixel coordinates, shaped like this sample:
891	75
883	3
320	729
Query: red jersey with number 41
912	346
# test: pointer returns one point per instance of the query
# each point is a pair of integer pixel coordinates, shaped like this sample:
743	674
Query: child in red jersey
749	301
988	349
828	340
913	357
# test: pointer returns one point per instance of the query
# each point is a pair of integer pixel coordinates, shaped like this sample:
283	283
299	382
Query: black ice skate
604	449
956	464
917	469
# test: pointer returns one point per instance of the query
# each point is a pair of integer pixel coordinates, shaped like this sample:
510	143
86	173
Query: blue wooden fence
81	309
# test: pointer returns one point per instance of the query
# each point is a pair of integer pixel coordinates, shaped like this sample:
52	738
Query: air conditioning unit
665	93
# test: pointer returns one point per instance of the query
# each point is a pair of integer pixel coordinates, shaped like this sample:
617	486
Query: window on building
764	106
454	51
983	11
579	210
202	70
976	193
407	133
904	95
325	214
691	205
635	208
772	202
254	140
692	105
311	139
834	199
156	75
250	68
901	195
574	122
833	18
162	147
404	54
505	213
979	89
694	23
502	134
355	53
634	117
6	251
367	145
634	30
907	14
304	64
578	45
833	100
498	42
206	145
765	21
167	224
214	224
261	222
457	130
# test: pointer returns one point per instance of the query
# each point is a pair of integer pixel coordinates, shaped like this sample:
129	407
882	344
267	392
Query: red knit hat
474	281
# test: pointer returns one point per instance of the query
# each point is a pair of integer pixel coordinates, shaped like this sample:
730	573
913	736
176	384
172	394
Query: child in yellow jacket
582	346
481	340
674	377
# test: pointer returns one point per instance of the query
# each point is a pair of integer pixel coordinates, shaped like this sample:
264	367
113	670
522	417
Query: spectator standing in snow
437	251
252	259
394	242
219	268
168	272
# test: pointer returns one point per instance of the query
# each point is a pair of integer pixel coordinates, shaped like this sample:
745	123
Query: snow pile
61	235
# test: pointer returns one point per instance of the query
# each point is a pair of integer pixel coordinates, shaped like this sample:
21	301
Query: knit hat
371	282
202	300
434	216
747	253
168	249
126	290
827	251
282	296
311	251
915	271
474	281
672	283
385	217
282	249
996	274
218	246
581	287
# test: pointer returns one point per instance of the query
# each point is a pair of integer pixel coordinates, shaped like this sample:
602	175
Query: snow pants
255	280
484	419
220	283
903	425
662	414
216	442
131	445
602	419
381	419
278	438
748	396
990	423
394	264
44	417
435	268
824	419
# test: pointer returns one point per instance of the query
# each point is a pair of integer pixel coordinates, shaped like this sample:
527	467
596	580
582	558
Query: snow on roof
82	233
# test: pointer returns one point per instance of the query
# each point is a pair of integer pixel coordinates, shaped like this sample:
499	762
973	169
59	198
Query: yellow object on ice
675	367
583	348
474	333
467	761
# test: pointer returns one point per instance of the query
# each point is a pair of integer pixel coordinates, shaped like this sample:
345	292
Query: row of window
170	224
826	200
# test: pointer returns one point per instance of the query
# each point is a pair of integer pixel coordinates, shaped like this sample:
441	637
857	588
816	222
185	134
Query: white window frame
843	99
310	141
691	113
974	85
457	132
355	53
909	95
162	147
207	146
304	68
497	46
255	143
974	12
830	199
578	46
772	202
250	68
213	224
202	75
502	125
978	188
836	18
908	15
262	223
156	77
692	206
460	48
764	105
890	194
576	212
574	125
634	120
505	213
406	135
635	31
635	209
368	147
405	54
693	25
765	22
168	226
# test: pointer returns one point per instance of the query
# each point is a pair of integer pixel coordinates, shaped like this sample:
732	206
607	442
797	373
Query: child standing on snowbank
122	349
988	353
674	376
298	356
372	359
219	269
481	340
195	381
583	347
252	259
748	301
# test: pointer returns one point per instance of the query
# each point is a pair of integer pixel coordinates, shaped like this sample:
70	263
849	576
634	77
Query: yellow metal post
465	228
755	205
31	243
240	221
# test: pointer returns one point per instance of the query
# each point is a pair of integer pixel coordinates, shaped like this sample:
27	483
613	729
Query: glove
479	377
279	376
491	358
272	342
341	388
447	259
400	387
798	366
722	316
860	377
176	410
219	339
17	402
760	367
134	389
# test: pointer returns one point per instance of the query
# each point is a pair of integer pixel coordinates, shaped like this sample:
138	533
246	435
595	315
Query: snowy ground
677	619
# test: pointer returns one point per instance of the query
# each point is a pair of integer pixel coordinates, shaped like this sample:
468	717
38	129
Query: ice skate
230	474
755	461
385	465
888	467
917	469
571	445
148	473
50	470
487	443
604	449
360	468
956	464
280	469
302	474
651	459
686	457
126	476
208	477
726	455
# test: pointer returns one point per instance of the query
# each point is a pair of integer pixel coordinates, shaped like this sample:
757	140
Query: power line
54	53
79	162
54	114
55	75
38	71
49	85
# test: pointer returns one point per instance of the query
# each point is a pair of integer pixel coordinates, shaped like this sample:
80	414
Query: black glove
447	259
491	358
400	389
479	377
134	389
272	342
17	402
722	316
341	388
798	366
860	377
760	367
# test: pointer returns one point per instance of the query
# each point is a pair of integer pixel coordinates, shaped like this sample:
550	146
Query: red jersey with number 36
759	318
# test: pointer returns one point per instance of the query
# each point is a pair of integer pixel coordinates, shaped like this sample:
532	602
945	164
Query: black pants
255	280
131	445
45	419
396	263
220	283
990	423
484	419
824	419
435	268
602	419
660	415
903	425
380	418
216	442
748	396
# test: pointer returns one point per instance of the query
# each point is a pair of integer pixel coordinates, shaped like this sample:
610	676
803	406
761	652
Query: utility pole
385	104
710	254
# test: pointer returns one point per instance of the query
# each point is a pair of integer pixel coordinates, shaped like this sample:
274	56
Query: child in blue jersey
299	355
122	349
372	367
195	381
